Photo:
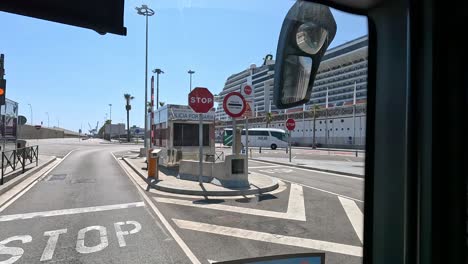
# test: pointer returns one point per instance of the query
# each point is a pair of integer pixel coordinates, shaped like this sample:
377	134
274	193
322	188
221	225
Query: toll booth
175	131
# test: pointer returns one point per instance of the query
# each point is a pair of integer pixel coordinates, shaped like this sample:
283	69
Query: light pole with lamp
110	125
31	112
191	72
157	71
144	10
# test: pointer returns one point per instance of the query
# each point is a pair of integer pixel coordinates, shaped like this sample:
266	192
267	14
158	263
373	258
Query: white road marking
51	243
13	192
5	218
355	216
281	170
171	230
315	171
264	167
15	252
296	207
211	261
270	238
325	191
80	244
120	234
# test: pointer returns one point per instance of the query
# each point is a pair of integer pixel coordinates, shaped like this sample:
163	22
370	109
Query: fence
19	158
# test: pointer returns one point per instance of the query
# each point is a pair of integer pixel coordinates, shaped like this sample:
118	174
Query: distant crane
93	131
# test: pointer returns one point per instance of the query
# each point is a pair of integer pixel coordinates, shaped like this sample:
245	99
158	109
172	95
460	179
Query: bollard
260	150
250	153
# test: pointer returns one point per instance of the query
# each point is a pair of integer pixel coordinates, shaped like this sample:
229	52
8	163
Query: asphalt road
103	218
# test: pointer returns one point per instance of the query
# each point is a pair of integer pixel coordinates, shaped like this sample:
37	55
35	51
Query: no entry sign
234	104
200	100
290	124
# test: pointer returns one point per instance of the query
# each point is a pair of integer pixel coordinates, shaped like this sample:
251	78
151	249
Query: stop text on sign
203	100
290	124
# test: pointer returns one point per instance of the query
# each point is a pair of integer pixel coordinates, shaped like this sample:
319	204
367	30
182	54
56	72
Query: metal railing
19	158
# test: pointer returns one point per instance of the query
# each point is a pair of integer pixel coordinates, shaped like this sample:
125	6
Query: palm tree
268	119
314	111
128	107
162	104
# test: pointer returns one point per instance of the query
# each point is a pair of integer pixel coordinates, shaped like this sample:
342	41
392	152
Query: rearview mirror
307	31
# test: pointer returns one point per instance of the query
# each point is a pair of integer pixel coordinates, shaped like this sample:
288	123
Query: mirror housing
306	33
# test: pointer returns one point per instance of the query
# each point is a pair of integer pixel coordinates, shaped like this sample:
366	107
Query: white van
260	137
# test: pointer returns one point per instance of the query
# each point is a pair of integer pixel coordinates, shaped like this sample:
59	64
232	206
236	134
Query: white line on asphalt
270	238
34	183
211	261
169	228
296	207
316	171
5	218
355	216
264	167
325	191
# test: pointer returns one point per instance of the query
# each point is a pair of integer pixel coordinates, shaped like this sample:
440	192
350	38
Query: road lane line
316	171
6	218
161	217
270	238
296	208
264	167
35	181
355	216
325	191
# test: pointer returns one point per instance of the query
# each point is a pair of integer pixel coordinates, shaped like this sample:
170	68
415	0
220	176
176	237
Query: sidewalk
12	178
351	168
168	182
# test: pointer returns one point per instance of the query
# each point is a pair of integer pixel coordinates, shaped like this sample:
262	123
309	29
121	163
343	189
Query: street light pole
31	112
110	125
144	10
157	71
191	72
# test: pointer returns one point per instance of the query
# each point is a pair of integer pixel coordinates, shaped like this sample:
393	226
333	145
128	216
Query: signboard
246	90
290	124
201	100
234	104
22	120
248	108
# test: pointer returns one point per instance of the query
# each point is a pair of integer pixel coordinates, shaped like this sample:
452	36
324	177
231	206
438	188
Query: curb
311	168
17	180
207	193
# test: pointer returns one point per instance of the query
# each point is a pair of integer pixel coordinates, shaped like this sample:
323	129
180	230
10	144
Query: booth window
187	135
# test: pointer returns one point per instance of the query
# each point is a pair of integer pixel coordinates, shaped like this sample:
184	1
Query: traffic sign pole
200	140
290	146
201	101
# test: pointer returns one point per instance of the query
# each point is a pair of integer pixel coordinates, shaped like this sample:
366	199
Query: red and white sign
290	124
200	100
234	104
247	89
248	108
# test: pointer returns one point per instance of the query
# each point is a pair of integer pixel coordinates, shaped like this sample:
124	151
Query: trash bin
20	143
153	163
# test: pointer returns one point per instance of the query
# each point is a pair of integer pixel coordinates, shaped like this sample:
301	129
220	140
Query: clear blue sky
73	73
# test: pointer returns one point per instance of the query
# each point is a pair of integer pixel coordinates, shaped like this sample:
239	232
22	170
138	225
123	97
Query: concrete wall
30	132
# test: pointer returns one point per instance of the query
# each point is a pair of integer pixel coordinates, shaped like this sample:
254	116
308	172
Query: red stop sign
248	90
290	124
200	100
